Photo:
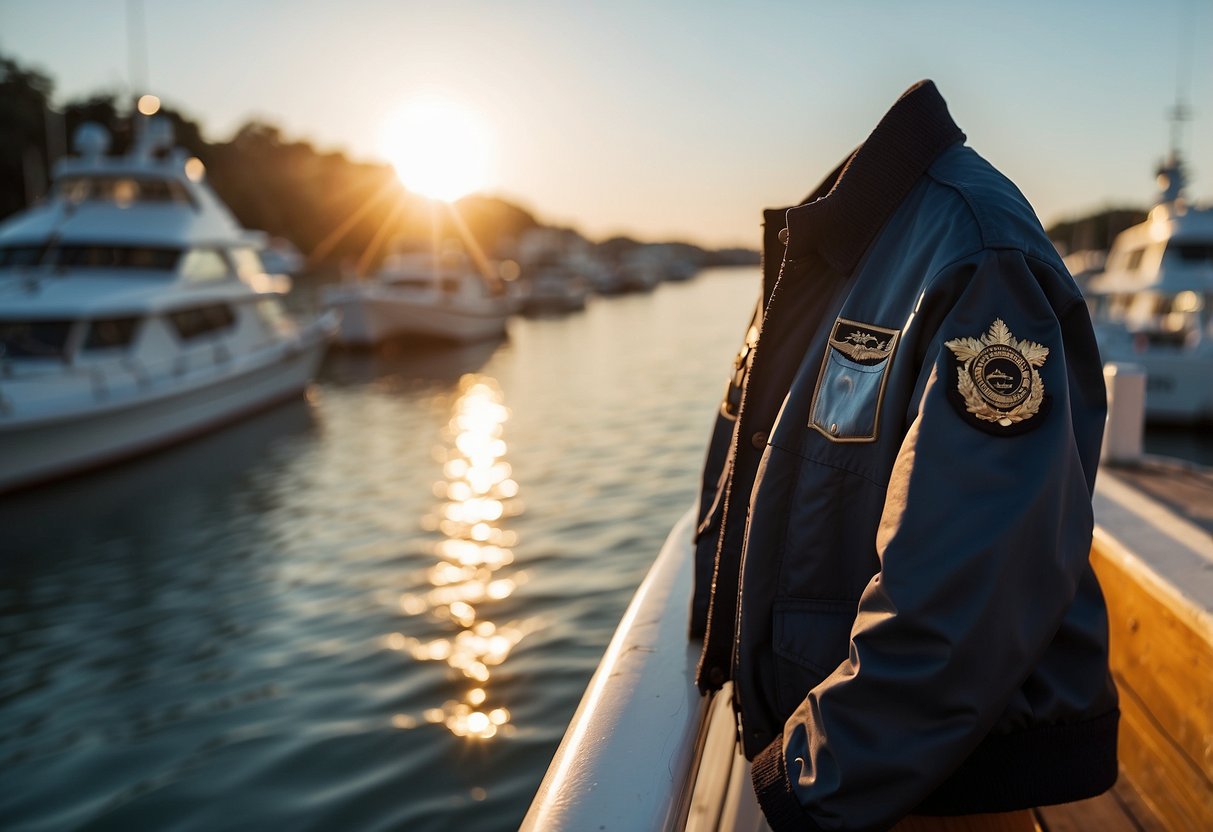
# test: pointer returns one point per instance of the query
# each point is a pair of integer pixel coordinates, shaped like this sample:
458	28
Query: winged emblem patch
997	376
863	343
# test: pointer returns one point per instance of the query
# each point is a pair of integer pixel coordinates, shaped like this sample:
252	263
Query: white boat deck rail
629	757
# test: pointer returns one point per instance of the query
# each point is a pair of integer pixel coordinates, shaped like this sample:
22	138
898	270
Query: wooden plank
1166	781
1141	813
1158	652
1103	813
1162	660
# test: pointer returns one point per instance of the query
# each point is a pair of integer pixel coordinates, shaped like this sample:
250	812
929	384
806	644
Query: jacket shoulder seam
969	203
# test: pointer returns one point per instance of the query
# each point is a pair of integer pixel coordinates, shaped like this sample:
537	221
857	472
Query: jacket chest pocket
850	386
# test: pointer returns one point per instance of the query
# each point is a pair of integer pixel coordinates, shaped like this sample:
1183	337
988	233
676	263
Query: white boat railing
104	379
630	754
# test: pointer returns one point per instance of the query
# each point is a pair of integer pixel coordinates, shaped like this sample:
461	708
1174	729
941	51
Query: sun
439	148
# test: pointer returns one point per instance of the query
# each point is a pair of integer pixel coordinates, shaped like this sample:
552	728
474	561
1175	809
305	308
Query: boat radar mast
1171	176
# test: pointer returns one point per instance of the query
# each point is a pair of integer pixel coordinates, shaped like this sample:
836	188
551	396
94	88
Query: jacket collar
865	190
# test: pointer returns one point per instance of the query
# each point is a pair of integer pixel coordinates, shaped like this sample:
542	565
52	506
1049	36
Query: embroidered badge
997	376
863	343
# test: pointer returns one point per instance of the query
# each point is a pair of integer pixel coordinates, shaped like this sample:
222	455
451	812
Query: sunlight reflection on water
480	495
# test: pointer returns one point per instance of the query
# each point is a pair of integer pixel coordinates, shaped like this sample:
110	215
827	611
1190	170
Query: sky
670	119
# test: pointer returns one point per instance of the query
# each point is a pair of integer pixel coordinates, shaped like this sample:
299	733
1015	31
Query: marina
355	398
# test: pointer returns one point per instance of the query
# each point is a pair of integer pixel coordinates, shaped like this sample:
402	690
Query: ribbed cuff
782	809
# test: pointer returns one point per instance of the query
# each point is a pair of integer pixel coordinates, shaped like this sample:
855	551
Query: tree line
331	207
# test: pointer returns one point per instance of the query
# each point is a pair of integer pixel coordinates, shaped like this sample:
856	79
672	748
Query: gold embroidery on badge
997	377
863	346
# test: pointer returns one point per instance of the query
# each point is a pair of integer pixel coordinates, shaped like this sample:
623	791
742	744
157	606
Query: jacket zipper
735	649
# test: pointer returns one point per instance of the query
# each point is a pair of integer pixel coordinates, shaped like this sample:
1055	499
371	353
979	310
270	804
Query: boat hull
1178	390
38	451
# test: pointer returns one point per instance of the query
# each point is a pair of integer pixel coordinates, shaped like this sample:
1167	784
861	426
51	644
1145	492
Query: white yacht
441	297
1151	305
134	312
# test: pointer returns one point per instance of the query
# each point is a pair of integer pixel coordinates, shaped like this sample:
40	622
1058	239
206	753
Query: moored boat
552	287
437	297
1153	303
135	312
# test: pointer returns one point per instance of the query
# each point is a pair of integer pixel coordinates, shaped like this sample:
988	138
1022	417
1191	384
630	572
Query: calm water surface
373	609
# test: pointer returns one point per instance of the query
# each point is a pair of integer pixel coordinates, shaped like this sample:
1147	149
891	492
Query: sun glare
438	148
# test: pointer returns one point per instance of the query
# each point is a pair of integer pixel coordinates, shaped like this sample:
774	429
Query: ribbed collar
875	179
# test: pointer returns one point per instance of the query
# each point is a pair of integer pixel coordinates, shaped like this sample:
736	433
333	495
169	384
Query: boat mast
1171	176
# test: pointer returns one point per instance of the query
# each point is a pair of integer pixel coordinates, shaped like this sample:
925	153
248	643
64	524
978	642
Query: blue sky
673	119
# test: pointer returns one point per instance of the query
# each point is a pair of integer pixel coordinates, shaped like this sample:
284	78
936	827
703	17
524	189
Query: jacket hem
1035	767
780	806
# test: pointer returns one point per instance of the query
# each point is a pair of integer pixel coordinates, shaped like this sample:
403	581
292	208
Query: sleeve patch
997	385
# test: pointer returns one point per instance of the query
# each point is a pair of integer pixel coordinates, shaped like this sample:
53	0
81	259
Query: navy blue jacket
896	521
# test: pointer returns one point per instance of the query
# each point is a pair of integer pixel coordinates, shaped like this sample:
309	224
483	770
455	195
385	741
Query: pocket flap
815	634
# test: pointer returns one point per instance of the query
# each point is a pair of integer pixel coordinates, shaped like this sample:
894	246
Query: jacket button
759	440
783	236
834	429
716	676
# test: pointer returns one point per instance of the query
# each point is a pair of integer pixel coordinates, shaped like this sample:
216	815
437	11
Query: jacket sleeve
984	535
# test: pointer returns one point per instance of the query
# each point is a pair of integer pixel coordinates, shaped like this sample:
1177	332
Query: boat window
122	190
15	256
113	257
34	339
202	320
202	265
111	333
1135	259
1192	253
409	282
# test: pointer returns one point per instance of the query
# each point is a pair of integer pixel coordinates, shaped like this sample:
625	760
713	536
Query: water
373	609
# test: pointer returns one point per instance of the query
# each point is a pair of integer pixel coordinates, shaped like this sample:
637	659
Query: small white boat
134	312
422	296
1153	304
554	288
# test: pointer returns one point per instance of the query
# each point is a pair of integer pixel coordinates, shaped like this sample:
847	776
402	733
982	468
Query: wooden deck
1153	553
1119	810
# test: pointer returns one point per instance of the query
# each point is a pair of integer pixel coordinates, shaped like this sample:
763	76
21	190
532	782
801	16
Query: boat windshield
34	339
90	256
1190	254
122	190
405	282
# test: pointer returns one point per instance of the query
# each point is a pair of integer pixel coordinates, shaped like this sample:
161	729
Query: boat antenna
136	49
1180	113
1171	174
